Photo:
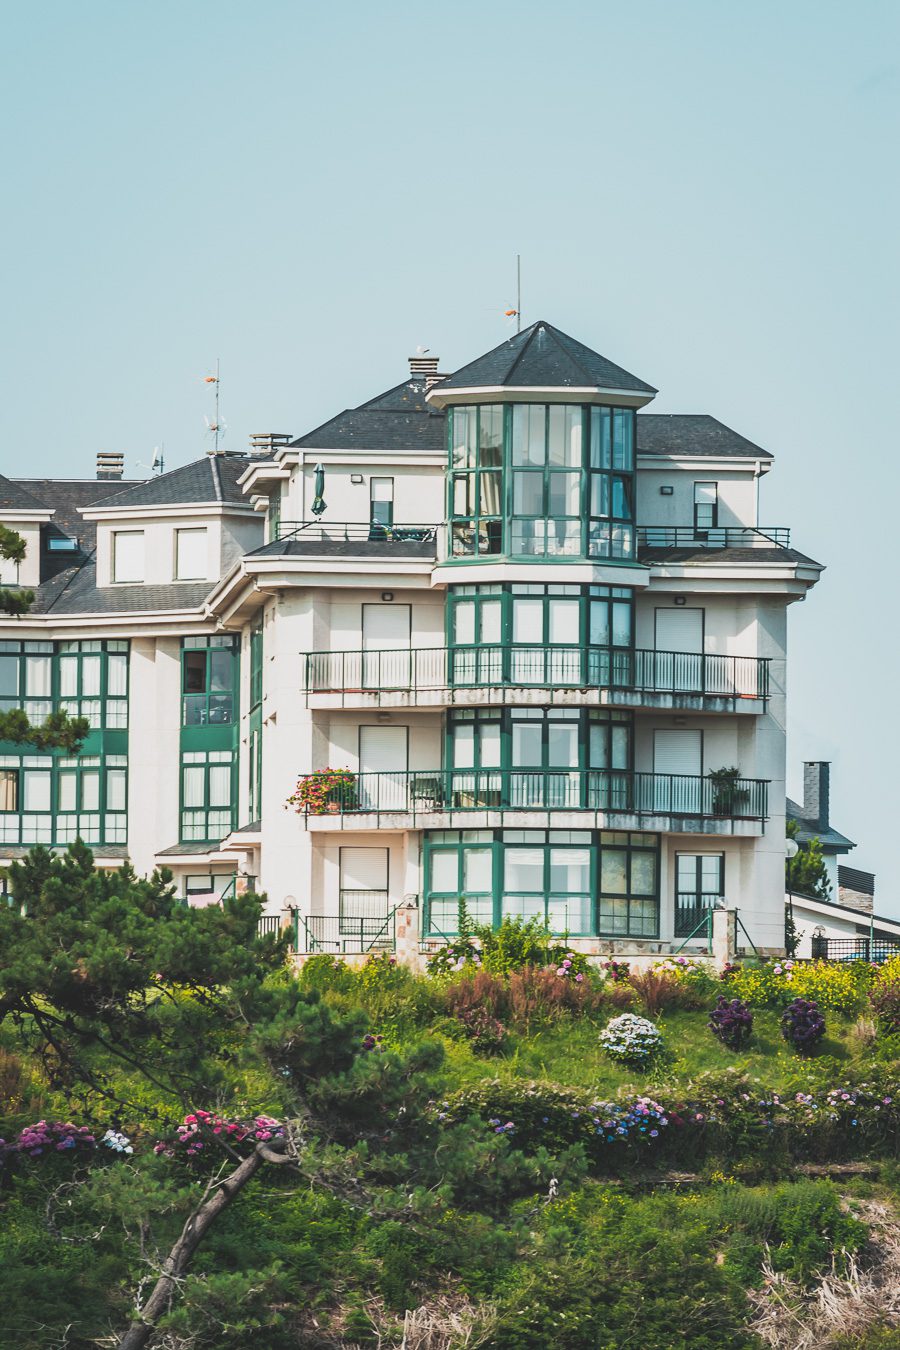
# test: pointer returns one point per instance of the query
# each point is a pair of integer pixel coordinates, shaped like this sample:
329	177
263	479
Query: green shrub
326	972
834	986
516	943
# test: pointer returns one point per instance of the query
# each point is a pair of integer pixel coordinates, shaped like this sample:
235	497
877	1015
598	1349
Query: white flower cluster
118	1142
631	1039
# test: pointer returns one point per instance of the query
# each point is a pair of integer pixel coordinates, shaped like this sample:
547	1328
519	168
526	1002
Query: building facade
501	635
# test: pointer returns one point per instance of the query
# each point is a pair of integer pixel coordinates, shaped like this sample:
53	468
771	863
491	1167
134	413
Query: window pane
477	869
464	621
193	780
529	421
570	869
620	739
491	435
490	493
90	791
623	423
190	555
621	624
220	785
528	621
613	871
117	676
115	789
37	790
599	634
599	494
523	869
526	745
463	438
90	676
195	672
220	670
563	621
562	746
128	555
490	745
643	873
490	621
38	675
464	747
68	677
528	494
621	499
565	492
67	790
600	438
9	789
445	871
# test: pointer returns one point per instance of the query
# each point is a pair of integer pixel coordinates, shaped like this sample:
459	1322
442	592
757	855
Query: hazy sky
704	191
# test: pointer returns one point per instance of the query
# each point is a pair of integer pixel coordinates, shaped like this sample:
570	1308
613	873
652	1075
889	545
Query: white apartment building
539	633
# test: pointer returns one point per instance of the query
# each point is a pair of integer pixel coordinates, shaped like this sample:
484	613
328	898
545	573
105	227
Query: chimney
265	443
816	774
425	368
110	465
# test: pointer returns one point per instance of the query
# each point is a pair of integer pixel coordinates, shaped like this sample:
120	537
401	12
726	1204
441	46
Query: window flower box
325	792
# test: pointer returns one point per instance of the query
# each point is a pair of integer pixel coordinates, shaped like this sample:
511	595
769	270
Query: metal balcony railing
349	532
874	949
608	790
342	935
726	536
542	666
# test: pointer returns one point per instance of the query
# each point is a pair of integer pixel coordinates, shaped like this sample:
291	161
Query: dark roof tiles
692	434
397	420
543	357
14	496
208	480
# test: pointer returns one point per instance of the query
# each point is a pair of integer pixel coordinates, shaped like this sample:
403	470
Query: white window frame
192	575
127	580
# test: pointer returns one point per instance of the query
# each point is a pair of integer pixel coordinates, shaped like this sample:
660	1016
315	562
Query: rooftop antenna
517	312
215	425
157	462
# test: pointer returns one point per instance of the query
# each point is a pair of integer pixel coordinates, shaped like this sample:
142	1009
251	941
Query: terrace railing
854	948
641	671
607	790
726	536
341	935
350	532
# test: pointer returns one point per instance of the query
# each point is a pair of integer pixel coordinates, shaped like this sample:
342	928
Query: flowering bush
617	971
884	1000
835	986
486	1034
802	1025
202	1128
731	1021
50	1136
630	1039
325	790
454	956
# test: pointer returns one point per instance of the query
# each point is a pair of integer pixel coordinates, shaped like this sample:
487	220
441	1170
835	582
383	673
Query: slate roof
208	480
699	556
399	419
16	497
64	496
75	591
832	840
692	434
542	356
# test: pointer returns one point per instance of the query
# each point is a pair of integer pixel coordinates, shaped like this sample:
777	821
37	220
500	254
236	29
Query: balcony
317	538
652	537
472	676
615	799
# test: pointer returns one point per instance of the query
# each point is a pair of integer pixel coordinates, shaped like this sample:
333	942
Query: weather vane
216	425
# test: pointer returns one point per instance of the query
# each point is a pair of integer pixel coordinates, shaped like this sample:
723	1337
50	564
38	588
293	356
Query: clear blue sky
706	192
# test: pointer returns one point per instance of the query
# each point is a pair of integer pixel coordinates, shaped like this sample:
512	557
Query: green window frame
93	681
540	482
27	678
46	799
256	666
209	681
541	634
273	512
208	795
628	900
552	875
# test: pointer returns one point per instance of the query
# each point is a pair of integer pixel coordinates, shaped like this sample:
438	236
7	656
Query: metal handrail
604	790
343	935
718	536
357	531
705	922
643	670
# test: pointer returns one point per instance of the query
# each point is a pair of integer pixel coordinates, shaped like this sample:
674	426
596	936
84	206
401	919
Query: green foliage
836	987
806	873
516	943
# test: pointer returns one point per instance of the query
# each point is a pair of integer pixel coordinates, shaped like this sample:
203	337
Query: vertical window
610	506
128	555
381	501
706	507
699	884
629	884
207	805
93	681
476	480
208	681
256	666
546	459
191	561
459	864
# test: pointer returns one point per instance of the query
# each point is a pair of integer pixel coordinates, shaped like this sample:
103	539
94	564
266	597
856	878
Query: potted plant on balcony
727	795
325	792
427	791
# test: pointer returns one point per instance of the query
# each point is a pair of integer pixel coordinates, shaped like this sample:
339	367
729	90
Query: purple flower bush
50	1136
731	1021
802	1025
200	1130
